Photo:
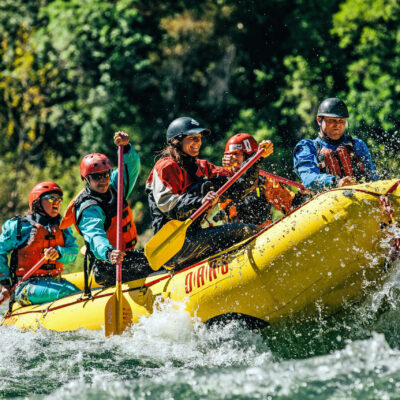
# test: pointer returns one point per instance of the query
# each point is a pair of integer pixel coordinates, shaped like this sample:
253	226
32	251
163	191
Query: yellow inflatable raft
324	253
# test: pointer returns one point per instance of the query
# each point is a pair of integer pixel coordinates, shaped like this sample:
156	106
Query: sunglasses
97	177
51	198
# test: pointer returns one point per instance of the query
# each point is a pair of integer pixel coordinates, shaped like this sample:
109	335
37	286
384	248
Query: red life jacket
341	162
109	207
32	251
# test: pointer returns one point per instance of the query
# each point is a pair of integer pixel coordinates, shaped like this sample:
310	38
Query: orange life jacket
272	191
31	252
129	233
341	162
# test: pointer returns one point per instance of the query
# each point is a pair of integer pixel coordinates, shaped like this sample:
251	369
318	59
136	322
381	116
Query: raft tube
318	257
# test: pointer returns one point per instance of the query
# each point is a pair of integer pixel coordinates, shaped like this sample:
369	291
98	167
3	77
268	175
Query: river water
354	355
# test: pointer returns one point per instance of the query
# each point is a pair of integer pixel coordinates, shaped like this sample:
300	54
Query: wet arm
8	241
91	226
131	170
69	251
307	168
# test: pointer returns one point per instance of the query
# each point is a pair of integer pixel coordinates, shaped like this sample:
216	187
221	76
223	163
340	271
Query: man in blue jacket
333	159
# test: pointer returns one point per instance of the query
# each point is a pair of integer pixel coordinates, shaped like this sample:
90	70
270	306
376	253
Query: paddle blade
166	243
117	318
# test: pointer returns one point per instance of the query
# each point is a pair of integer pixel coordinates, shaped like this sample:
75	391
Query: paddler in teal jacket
94	213
30	237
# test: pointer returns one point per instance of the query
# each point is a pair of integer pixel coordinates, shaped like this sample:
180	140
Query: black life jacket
108	203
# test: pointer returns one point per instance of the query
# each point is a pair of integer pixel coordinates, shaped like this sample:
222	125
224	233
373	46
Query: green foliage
369	33
72	73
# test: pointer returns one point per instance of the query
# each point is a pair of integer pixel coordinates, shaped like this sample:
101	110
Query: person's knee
67	289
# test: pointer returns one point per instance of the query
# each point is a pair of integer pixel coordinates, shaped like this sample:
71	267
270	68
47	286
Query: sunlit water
354	355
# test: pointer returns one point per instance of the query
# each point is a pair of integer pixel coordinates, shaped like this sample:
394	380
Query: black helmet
334	108
184	126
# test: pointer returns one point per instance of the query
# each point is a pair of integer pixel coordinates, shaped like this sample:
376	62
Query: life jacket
276	193
109	207
168	176
265	194
29	253
341	162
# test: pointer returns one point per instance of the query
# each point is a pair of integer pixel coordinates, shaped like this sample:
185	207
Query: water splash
169	355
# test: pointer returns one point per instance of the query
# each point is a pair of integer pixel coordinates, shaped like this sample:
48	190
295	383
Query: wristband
108	253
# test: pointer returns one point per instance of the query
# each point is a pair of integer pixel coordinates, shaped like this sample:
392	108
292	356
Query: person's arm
8	241
131	170
91	225
363	152
307	168
69	251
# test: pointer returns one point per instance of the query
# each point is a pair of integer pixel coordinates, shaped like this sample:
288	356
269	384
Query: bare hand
212	197
51	254
228	162
5	292
121	138
346	181
116	256
268	147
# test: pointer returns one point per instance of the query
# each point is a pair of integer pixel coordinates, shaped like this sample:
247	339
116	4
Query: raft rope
382	197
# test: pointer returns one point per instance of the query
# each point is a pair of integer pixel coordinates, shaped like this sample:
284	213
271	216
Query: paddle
116	305
284	180
25	277
170	238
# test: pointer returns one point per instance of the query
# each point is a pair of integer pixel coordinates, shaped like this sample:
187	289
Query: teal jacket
9	242
91	223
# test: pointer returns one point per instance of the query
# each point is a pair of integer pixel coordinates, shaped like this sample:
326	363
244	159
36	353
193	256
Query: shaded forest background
74	72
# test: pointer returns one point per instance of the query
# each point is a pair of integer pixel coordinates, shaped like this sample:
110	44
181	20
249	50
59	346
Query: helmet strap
37	207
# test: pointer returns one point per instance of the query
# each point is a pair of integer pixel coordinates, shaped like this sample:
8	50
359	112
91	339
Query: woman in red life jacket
94	213
30	237
256	206
180	183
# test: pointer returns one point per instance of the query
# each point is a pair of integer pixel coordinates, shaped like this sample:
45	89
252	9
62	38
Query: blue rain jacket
307	168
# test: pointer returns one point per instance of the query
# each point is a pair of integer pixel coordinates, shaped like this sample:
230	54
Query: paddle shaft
118	273
230	182
119	209
26	276
283	180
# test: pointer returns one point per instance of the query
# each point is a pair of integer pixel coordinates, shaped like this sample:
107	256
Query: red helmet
241	142
94	163
42	188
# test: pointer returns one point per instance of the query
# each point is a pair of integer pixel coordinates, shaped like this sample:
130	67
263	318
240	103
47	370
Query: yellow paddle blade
166	243
117	313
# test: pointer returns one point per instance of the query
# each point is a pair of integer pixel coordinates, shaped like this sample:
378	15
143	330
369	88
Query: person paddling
30	237
333	159
256	206
94	213
180	183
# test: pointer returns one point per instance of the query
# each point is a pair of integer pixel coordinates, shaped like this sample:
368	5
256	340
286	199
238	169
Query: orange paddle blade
166	243
117	318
